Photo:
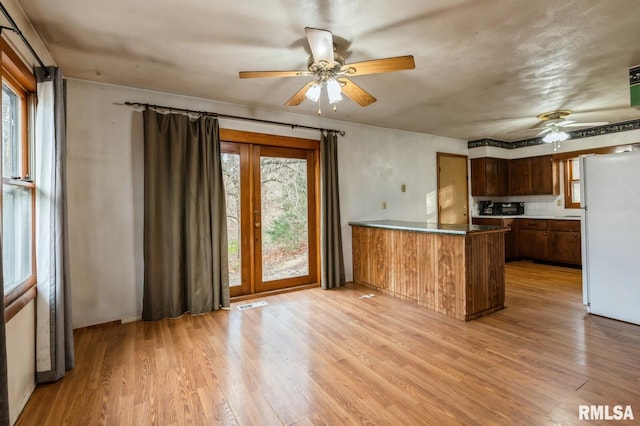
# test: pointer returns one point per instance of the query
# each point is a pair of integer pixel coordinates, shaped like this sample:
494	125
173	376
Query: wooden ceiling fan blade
321	44
377	66
262	74
356	93
546	130
300	95
592	124
526	130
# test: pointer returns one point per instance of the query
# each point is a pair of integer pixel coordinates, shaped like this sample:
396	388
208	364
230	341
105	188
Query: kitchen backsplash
535	205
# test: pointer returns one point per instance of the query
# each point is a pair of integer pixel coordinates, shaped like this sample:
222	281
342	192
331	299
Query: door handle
257	224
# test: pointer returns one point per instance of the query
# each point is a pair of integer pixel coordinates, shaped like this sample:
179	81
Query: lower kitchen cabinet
533	239
540	239
510	248
565	241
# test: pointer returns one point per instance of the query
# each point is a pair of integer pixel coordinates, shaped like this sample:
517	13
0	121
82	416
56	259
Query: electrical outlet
384	205
403	188
559	202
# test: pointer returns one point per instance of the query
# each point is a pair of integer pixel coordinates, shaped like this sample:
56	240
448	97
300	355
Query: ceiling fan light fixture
555	136
333	91
313	93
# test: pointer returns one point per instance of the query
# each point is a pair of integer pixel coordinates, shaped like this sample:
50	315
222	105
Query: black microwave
508	209
501	208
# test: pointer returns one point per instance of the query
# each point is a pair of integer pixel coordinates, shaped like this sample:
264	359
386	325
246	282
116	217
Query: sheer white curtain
4	384
54	334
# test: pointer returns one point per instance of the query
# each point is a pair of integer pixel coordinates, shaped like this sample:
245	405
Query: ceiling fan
330	72
555	122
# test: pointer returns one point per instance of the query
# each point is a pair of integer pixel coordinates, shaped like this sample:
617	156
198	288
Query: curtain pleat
333	274
185	235
54	333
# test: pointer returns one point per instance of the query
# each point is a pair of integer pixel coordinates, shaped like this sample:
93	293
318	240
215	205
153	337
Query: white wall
374	163
21	358
105	178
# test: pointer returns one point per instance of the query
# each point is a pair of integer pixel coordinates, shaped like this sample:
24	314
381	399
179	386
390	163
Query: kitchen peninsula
457	270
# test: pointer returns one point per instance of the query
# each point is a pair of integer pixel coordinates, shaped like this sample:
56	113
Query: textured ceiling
484	68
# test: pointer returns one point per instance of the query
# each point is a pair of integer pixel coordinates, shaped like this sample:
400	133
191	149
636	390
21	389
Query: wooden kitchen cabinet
489	176
510	249
533	239
546	240
534	176
545	179
565	241
520	177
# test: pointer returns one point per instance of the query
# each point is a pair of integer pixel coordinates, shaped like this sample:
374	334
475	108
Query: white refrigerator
610	201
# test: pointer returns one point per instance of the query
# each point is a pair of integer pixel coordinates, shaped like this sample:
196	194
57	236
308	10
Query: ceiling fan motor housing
325	70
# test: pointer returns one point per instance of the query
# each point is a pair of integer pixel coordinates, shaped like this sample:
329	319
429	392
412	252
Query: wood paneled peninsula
457	270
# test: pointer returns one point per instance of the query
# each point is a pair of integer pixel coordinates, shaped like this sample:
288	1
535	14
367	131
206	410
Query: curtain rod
235	117
14	28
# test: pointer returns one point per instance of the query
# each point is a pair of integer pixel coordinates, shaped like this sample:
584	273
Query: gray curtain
185	228
54	332
4	391
332	261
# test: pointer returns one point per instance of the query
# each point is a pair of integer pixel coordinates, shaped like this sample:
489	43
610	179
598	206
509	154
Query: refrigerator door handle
583	168
586	300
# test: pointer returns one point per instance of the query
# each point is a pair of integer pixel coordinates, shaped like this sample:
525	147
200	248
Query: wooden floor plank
331	357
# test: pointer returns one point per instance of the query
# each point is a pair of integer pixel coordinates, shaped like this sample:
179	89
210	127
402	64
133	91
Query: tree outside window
18	186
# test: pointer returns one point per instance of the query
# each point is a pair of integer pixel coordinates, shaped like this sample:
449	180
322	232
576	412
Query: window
572	183
18	186
572	172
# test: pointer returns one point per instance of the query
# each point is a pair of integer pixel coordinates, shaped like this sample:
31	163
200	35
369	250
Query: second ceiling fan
331	73
553	124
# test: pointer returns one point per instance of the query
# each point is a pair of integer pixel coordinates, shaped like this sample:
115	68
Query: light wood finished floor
331	357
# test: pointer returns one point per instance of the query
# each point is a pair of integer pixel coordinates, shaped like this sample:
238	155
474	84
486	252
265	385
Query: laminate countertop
527	216
430	228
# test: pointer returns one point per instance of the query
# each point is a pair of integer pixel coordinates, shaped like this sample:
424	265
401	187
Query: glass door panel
284	213
231	178
285	218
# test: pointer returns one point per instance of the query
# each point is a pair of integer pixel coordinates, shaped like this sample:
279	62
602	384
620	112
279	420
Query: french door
272	217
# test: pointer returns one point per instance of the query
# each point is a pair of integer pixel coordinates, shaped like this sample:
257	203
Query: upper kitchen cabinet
534	176
545	179
520	176
489	176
